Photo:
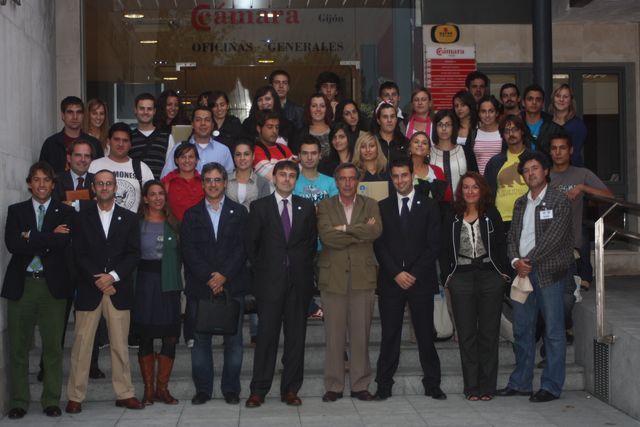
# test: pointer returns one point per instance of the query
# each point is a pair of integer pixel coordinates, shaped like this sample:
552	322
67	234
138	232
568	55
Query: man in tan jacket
348	224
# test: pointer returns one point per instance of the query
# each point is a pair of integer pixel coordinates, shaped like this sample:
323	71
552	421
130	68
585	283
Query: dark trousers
476	299
290	312
391	318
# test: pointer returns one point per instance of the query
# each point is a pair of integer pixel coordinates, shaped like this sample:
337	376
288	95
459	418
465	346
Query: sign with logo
443	34
204	18
447	68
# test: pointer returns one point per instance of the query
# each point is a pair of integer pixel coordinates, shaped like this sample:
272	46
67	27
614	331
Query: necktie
36	263
286	221
80	183
404	215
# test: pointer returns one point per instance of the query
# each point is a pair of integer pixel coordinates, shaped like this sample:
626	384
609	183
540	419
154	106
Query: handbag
217	315
441	319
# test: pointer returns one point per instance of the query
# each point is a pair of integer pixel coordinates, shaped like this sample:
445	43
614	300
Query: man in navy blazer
37	285
106	241
407	253
214	261
281	243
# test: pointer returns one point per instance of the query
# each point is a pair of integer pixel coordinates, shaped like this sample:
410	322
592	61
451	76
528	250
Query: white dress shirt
528	236
105	220
279	199
410	203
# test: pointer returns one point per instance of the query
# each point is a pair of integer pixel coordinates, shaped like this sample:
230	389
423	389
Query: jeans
202	356
547	301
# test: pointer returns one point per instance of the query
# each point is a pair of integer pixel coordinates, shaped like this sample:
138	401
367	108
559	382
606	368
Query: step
407	382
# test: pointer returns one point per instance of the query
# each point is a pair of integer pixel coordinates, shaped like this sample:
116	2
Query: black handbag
218	315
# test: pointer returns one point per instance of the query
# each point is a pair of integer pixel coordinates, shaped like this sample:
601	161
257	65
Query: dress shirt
36	206
348	210
528	236
74	179
105	220
214	151
214	214
410	203
279	199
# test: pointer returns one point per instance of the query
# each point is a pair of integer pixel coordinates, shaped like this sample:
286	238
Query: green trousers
36	307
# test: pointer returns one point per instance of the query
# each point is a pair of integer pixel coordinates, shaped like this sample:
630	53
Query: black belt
150	265
35	274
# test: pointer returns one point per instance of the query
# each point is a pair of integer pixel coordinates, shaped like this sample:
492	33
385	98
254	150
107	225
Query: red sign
447	69
204	19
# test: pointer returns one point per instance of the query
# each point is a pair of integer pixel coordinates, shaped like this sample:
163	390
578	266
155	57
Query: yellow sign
447	33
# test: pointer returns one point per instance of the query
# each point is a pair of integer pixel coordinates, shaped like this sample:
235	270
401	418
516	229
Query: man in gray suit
539	245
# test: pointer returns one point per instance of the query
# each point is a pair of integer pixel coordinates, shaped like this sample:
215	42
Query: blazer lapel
50	215
116	219
277	217
94	218
206	220
296	222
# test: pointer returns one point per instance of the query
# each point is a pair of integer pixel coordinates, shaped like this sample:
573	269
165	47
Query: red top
437	171
182	193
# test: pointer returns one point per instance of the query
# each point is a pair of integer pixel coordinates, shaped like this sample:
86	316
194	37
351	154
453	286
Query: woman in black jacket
473	262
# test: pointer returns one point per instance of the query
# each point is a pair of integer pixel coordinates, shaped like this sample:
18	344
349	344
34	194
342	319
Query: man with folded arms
540	246
348	224
37	285
106	239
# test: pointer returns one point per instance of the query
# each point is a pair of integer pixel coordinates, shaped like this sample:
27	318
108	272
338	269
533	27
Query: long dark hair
361	125
467	99
143	209
160	119
351	142
486	199
277	107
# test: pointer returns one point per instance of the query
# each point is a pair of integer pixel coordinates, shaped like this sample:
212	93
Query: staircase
408	379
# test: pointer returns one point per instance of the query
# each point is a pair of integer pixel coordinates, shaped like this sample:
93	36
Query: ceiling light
170	78
266	61
133	15
148	41
186	102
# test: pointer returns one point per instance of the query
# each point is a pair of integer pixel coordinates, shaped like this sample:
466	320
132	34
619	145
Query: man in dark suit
54	149
106	241
214	260
281	242
540	247
407	253
37	286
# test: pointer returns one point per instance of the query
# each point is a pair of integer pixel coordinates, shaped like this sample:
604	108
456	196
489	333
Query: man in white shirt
130	174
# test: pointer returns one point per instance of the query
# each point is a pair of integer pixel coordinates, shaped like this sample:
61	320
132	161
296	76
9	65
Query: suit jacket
348	254
54	152
95	253
277	263
493	239
203	254
46	244
415	252
553	252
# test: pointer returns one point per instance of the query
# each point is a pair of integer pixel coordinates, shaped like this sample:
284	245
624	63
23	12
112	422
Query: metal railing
600	242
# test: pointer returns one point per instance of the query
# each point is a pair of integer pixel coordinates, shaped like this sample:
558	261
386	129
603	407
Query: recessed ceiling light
133	15
148	41
170	78
266	61
186	102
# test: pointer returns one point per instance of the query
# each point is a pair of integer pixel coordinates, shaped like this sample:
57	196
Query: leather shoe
508	391
73	407
16	413
130	403
95	373
254	401
363	395
382	394
201	398
291	399
435	393
331	396
52	411
542	396
231	398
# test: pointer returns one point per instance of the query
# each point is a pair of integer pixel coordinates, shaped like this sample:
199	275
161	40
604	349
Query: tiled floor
573	409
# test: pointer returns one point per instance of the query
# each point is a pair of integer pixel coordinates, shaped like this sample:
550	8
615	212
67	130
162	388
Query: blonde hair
571	113
86	121
381	159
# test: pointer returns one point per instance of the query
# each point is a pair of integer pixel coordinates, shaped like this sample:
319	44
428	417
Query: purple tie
286	221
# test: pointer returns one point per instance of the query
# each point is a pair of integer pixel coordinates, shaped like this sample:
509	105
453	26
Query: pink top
486	145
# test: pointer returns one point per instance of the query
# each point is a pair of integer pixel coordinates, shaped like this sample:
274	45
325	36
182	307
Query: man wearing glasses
501	171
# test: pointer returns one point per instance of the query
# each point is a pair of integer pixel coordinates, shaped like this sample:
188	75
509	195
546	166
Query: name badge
546	214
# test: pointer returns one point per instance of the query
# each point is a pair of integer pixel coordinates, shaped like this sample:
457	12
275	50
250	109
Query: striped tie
36	263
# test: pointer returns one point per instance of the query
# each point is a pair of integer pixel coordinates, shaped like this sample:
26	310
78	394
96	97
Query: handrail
600	243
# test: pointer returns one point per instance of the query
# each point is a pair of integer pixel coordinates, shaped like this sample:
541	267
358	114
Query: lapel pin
299	208
56	210
231	211
418	202
168	238
119	218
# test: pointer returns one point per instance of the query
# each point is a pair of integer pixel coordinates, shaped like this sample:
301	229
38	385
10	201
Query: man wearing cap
539	244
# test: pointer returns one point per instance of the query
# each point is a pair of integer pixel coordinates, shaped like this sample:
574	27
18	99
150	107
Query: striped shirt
486	145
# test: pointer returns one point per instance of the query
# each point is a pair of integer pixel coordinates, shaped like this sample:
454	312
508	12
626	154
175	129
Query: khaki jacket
348	253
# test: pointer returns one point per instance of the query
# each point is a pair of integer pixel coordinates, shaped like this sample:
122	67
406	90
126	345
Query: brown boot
147	366
165	365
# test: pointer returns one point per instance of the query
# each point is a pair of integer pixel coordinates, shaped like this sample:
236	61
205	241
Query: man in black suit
54	148
407	253
37	286
106	241
281	242
214	260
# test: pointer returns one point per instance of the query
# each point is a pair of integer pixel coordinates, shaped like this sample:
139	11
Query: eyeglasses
213	180
442	125
104	183
511	130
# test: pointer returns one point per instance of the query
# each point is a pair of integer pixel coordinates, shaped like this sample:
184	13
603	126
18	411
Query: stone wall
27	115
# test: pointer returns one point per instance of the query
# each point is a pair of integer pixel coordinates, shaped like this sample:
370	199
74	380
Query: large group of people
484	198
